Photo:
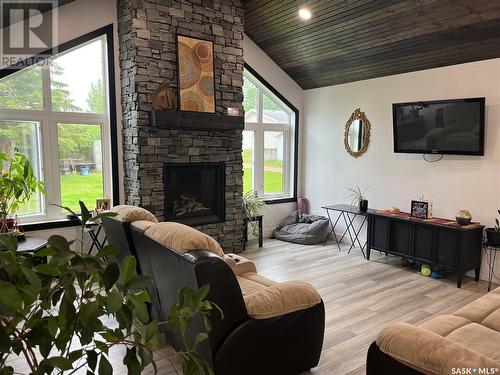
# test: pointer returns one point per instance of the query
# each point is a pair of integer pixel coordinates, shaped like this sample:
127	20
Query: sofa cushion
480	309
130	214
493	320
143	224
427	351
478	338
443	325
280	299
181	238
252	282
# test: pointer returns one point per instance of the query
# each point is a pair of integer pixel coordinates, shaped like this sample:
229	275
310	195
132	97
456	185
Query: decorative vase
463	217
493	236
363	205
8	223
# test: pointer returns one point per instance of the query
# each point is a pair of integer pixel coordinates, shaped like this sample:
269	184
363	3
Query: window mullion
106	160
259	162
259	145
292	151
53	178
47	91
49	147
51	158
287	161
105	76
105	128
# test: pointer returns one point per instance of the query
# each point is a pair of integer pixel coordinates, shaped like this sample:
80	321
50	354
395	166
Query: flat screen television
454	127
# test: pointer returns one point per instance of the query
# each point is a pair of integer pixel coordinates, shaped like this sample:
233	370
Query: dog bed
303	229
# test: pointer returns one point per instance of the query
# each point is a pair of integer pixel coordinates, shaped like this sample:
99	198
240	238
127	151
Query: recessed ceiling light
305	13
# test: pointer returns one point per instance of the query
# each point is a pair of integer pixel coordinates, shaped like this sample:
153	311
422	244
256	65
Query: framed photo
195	63
103	204
419	209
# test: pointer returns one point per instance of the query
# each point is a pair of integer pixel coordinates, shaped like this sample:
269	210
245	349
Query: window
59	115
268	140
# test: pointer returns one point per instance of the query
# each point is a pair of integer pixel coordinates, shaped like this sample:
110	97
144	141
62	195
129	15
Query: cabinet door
400	237
379	233
446	247
422	242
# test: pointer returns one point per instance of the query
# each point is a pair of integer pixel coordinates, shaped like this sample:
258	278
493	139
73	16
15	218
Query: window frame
291	134
49	121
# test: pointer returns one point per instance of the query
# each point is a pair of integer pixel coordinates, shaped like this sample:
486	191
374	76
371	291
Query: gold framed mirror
357	134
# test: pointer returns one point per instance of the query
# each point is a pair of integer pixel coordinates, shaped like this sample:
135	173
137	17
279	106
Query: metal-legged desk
348	214
491	256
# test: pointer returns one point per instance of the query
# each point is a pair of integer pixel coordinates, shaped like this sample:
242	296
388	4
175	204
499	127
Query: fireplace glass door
194	193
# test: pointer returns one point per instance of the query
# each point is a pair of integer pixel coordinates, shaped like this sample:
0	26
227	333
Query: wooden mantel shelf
195	120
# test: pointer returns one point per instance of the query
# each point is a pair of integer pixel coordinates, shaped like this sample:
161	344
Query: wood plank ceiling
352	40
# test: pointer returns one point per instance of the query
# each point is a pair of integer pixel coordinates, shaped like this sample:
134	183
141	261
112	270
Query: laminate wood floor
360	298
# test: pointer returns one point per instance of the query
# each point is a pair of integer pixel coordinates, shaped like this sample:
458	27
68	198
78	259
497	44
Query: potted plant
17	185
493	234
253	206
357	198
55	314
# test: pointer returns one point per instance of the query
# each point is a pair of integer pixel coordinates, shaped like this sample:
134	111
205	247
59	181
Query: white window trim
258	129
49	147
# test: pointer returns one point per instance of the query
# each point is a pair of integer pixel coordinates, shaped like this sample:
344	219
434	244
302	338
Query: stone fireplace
163	148
194	192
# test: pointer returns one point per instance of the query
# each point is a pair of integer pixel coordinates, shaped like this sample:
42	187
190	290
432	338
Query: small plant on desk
253	206
358	198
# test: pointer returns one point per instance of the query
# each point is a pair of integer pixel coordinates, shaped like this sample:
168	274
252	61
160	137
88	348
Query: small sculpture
164	99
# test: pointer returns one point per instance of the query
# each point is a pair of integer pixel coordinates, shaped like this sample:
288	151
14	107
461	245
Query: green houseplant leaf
18	184
128	269
253	205
9	295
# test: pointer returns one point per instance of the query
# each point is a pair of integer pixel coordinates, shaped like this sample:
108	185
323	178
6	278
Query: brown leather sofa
467	339
268	327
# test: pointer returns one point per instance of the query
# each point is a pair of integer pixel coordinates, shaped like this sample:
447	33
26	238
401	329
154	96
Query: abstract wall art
195	59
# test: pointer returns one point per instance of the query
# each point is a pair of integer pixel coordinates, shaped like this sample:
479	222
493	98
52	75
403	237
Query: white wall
456	182
277	78
74	20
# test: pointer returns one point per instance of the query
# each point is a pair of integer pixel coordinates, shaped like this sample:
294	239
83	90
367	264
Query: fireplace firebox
194	193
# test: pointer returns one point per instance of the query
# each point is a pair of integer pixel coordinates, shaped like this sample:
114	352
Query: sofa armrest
427	351
281	299
239	265
224	291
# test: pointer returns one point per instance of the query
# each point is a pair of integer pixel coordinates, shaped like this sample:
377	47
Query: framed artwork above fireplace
195	62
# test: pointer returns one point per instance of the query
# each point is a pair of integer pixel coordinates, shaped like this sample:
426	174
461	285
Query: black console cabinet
455	248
